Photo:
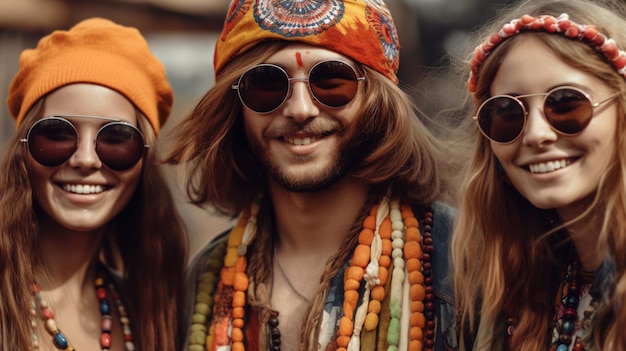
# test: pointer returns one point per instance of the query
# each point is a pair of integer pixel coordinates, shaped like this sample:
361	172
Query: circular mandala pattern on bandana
298	18
235	13
380	19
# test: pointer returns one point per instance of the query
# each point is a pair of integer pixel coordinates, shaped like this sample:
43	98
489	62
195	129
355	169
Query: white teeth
83	188
549	166
301	141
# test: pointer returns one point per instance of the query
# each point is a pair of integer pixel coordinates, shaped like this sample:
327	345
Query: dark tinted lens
51	141
568	110
501	118
333	83
263	88
119	146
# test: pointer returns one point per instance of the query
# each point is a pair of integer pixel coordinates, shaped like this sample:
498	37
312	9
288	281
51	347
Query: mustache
312	127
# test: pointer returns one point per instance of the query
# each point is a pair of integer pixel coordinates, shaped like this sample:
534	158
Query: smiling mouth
550	166
83	188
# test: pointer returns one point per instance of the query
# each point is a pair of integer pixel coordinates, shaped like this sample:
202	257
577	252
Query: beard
343	162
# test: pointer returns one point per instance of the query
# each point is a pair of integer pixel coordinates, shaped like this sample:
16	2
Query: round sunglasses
265	87
568	110
52	140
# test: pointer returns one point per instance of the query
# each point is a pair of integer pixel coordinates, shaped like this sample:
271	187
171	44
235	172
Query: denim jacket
443	279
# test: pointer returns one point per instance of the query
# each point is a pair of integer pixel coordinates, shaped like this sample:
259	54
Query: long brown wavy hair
146	242
399	155
508	252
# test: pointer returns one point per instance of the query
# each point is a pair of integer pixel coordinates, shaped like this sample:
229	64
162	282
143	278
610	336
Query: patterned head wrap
360	29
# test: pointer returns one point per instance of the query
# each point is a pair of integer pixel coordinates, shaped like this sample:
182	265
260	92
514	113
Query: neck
68	256
317	222
584	235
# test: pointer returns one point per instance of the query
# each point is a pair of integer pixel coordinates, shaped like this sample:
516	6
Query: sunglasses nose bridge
531	104
85	155
537	129
530	101
300	102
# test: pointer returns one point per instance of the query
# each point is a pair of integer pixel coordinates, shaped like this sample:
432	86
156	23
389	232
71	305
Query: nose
85	156
537	131
300	104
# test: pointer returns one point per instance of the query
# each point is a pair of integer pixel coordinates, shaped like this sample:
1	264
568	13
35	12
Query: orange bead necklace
391	252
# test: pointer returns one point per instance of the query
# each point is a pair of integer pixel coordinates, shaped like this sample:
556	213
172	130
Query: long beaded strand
379	220
367	259
230	301
421	307
59	339
124	320
397	277
407	241
565	327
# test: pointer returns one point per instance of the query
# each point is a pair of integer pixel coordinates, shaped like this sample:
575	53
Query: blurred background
182	34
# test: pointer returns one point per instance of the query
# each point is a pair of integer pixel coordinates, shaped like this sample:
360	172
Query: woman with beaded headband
92	252
306	136
539	248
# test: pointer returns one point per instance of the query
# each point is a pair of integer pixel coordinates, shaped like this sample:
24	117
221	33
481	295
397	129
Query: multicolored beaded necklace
567	324
59	339
389	240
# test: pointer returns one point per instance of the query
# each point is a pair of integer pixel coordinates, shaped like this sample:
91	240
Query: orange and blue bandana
360	29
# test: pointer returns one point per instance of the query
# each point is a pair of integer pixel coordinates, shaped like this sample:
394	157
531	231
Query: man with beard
307	138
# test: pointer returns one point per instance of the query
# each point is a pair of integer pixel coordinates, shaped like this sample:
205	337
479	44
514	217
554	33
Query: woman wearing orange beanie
91	249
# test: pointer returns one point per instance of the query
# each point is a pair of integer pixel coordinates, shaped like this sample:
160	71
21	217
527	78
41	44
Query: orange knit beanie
95	51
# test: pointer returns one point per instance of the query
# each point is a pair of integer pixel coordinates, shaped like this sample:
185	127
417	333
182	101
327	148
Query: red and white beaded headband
550	24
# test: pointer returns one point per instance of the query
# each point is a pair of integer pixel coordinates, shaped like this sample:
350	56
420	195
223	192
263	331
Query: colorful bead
568	324
390	233
59	340
273	333
105	340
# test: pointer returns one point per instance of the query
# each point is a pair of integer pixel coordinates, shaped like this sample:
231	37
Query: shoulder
443	282
443	219
206	264
210	252
442	225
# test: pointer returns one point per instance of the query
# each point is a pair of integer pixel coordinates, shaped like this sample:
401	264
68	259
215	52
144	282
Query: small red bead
101	293
105	340
46	313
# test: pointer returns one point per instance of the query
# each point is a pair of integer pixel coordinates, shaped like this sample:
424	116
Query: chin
550	203
310	183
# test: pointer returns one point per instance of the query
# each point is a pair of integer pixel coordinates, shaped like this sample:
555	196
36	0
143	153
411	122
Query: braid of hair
259	269
311	325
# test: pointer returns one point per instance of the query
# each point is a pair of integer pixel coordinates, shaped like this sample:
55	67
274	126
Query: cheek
504	153
39	177
131	178
350	118
253	125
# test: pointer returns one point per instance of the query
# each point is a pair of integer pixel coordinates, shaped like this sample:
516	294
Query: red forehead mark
299	59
